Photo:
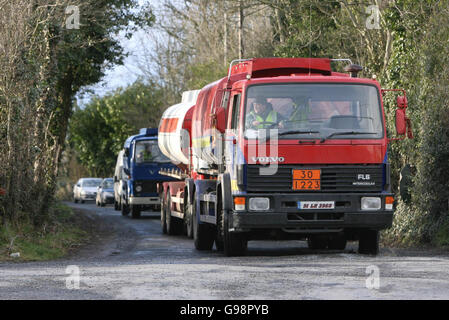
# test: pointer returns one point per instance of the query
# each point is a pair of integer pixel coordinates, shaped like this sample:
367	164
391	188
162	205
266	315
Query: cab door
232	134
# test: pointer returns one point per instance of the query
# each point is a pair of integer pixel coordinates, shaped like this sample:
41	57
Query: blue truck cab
142	161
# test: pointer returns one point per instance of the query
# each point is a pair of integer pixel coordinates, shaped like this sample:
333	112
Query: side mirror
220	120
401	122
127	152
126	170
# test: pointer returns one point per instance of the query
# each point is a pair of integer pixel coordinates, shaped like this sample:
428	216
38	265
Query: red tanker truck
281	148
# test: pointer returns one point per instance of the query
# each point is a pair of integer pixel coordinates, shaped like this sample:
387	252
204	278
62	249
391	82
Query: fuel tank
175	127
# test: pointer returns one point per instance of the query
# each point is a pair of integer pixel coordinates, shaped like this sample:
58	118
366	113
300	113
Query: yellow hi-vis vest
271	117
300	114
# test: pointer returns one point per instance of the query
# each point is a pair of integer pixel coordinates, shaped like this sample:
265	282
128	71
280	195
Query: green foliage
202	74
44	65
53	239
98	131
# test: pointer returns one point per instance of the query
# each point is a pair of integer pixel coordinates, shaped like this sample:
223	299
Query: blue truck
138	174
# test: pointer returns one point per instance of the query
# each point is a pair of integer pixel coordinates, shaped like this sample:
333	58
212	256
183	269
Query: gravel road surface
132	259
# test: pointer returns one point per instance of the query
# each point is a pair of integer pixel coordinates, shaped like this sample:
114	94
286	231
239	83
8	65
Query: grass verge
64	232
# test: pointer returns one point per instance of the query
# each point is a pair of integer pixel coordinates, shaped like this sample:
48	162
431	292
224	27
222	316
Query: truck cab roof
144	134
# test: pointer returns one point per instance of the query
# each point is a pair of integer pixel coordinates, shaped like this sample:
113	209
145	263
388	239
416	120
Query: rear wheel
116	206
203	234
369	242
75	200
163	213
174	225
189	219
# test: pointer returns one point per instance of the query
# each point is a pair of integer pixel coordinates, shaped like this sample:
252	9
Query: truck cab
285	148
142	161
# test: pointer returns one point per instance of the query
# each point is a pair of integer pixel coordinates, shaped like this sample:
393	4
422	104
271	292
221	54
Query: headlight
138	188
371	203
83	193
259	204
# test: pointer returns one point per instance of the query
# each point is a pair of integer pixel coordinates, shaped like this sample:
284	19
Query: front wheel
234	244
135	212
369	242
124	208
317	242
337	242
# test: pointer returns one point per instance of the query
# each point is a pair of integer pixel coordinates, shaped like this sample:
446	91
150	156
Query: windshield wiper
345	133
285	133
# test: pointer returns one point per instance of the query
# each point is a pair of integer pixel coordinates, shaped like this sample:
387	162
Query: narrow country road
136	261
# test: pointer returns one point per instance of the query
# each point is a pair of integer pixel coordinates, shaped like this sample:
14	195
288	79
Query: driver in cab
263	116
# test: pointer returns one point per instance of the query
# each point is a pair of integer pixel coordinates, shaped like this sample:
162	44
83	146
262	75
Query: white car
86	189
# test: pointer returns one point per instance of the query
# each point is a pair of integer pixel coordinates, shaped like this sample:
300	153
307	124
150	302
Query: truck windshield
315	111
148	151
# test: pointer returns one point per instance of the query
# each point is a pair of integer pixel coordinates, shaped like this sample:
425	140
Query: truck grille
148	186
334	178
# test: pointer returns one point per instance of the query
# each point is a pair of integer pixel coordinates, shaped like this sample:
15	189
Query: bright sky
126	74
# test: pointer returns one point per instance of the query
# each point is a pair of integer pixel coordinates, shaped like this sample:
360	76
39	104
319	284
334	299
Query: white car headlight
371	203
259	204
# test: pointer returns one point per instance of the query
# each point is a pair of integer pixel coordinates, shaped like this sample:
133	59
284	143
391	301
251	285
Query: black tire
116	206
337	242
75	200
203	234
102	204
82	201
234	244
163	213
174	225
135	211
189	219
317	242
369	242
124	208
219	237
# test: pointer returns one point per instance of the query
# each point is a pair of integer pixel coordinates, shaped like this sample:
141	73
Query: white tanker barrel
173	139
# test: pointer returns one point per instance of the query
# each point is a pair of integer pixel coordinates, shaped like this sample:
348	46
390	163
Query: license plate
306	180
316	205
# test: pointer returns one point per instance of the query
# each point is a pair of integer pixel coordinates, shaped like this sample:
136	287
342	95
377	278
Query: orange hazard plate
306	179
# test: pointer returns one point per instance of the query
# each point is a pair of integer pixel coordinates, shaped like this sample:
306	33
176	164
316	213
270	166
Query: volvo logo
151	171
268	159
